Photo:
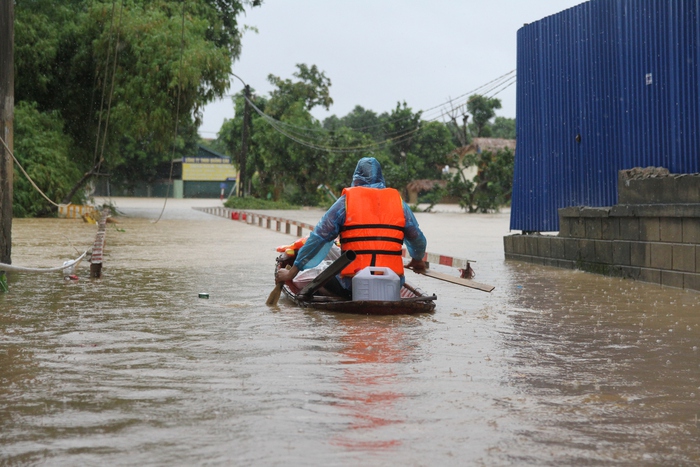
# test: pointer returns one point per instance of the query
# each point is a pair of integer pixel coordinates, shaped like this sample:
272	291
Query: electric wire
505	86
177	114
111	90
27	175
495	82
68	264
310	144
104	85
306	135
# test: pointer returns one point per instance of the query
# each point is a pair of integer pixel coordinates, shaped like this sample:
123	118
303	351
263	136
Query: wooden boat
411	300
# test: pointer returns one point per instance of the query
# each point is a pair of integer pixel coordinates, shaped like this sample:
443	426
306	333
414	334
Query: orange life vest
373	229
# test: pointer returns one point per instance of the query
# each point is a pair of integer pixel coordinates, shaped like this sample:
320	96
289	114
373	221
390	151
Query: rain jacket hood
368	173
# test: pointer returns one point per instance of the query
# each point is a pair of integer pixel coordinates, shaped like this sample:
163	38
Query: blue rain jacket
367	173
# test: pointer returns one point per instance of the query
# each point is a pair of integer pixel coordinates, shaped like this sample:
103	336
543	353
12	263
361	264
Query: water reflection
370	387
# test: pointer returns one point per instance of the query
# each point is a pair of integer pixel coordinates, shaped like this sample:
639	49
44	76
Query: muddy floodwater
554	367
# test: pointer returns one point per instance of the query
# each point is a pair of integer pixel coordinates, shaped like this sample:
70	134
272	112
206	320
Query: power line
296	138
494	84
316	138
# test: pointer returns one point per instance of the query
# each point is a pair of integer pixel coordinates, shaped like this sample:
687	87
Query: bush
257	203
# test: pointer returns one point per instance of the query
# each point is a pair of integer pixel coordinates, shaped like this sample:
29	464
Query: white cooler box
376	283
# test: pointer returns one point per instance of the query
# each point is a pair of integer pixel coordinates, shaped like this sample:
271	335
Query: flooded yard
554	367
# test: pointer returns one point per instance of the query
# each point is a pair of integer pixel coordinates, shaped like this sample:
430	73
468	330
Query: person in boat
370	219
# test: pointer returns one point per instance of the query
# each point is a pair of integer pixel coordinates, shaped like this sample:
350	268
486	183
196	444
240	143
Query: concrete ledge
556	248
629	228
594	227
652	235
672	279
604	252
691	281
650	275
571	249
640	254
649	229
655	210
584	211
656	185
668	264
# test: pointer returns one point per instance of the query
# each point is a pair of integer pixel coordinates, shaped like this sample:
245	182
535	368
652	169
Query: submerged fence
301	229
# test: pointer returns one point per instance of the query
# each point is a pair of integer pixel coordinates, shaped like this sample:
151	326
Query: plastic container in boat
376	283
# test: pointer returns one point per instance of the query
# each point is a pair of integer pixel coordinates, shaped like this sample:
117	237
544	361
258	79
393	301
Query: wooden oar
456	280
274	296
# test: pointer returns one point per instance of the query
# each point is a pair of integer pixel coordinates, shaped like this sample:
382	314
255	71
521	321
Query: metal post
244	144
7	111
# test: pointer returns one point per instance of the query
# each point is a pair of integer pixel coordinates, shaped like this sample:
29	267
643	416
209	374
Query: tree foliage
122	75
43	150
482	110
492	186
292	156
503	127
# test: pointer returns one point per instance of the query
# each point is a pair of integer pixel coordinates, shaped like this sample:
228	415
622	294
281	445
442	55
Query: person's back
373	228
373	221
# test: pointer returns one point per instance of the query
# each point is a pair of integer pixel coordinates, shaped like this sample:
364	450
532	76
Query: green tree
294	155
482	110
417	149
491	188
359	120
295	169
503	128
230	139
137	66
43	150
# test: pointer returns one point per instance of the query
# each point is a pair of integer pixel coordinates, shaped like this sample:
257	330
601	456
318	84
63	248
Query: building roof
479	145
205	152
425	185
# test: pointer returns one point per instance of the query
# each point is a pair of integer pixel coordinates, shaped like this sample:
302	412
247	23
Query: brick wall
647	238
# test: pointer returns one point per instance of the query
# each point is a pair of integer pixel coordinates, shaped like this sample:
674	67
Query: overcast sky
380	52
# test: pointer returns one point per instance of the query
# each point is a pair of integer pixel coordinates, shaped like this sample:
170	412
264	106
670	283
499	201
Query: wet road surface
554	367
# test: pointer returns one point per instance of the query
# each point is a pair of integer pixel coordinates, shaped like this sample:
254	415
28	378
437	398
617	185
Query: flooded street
554	367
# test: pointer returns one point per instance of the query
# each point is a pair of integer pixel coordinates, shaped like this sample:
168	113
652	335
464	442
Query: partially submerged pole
7	110
99	246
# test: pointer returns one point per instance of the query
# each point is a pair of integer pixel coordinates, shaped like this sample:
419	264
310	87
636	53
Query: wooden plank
458	280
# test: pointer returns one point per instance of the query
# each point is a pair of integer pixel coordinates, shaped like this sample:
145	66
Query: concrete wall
653	235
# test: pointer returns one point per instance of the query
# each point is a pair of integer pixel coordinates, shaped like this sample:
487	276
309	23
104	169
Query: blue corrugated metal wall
585	72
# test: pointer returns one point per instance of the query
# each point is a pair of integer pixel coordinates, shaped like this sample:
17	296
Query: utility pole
244	144
7	113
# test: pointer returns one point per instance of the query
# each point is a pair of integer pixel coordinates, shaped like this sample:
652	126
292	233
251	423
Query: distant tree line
294	157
